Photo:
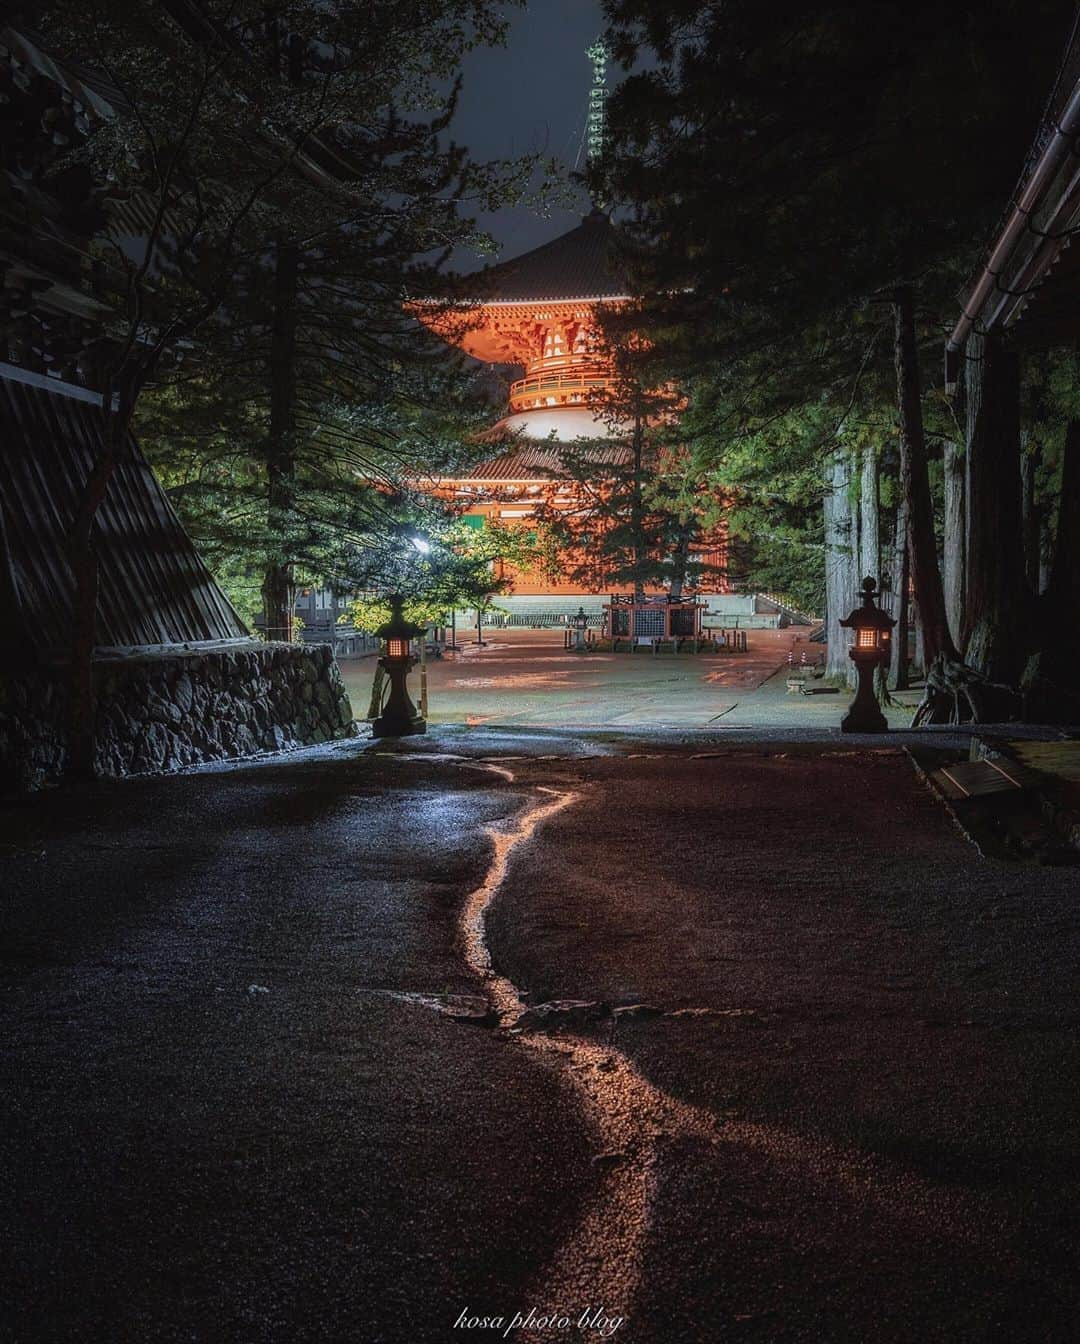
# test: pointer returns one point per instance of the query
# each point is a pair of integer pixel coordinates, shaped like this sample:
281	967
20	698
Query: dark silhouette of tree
258	141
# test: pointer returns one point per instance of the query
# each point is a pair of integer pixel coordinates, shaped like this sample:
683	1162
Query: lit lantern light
873	638
399	717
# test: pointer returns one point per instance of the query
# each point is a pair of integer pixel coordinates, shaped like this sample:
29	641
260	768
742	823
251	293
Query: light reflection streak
602	1262
631	1121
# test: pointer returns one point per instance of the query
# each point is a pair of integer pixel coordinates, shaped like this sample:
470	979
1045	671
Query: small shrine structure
646	620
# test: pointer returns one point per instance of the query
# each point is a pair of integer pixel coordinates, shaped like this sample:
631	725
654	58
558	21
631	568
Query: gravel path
234	1113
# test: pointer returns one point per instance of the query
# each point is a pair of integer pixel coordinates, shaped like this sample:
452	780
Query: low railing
562	386
782	602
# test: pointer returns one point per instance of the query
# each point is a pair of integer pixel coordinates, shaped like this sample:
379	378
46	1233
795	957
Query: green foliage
253	124
292	165
634	505
354	490
783	167
785	163
456	571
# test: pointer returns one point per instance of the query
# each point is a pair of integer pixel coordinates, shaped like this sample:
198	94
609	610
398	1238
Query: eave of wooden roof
1029	285
531	464
577	266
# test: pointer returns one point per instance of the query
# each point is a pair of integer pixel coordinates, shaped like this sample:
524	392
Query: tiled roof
575	266
537	463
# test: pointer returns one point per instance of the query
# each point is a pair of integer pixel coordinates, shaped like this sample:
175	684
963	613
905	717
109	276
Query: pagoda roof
577	265
538	462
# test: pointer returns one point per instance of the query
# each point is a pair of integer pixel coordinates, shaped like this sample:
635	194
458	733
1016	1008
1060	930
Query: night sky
530	96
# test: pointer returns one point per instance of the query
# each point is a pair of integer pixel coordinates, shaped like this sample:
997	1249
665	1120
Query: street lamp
873	635
399	717
579	624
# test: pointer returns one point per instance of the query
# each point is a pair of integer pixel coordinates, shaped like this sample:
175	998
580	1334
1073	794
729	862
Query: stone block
151	748
184	693
274	739
160	710
243	740
159	713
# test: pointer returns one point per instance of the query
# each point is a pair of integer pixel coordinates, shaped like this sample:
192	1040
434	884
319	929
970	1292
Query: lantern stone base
865	714
391	726
861	720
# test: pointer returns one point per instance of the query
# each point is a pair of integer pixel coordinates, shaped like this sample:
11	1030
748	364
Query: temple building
540	311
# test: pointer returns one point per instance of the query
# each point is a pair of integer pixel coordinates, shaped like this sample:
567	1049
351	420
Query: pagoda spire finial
594	135
596	118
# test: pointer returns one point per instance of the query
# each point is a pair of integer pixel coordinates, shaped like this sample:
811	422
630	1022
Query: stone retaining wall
160	712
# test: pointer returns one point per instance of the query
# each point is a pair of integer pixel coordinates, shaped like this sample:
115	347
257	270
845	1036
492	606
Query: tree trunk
915	484
1045	553
1030	456
1063	588
279	587
899	671
869	506
378	686
841	581
680	559
637	509
82	708
953	547
1051	693
918	661
996	597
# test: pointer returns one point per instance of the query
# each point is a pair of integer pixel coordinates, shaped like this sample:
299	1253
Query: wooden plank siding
154	588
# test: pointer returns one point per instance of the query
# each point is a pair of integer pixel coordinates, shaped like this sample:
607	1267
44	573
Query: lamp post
579	624
399	717
873	638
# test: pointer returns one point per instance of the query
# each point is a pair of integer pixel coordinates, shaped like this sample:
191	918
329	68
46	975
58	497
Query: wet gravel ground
884	1023
218	1127
221	1125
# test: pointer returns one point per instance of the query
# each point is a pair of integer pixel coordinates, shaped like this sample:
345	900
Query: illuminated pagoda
540	311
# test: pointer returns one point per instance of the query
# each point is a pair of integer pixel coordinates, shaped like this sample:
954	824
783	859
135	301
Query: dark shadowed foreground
847	1113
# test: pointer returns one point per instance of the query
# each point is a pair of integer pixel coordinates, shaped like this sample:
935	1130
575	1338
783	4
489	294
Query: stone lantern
873	638
579	624
399	717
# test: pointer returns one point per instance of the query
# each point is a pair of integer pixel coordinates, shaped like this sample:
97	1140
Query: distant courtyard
527	677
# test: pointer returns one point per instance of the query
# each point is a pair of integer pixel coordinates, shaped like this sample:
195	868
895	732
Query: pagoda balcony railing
555	389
